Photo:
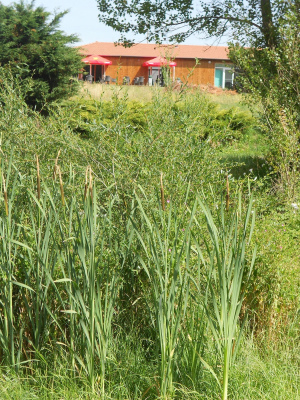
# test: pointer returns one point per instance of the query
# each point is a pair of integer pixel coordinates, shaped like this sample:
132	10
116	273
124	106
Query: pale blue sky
82	20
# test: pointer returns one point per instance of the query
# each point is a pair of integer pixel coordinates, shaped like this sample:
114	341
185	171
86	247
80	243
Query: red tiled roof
154	50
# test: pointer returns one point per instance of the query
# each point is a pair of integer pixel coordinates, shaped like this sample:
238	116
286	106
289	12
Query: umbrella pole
90	69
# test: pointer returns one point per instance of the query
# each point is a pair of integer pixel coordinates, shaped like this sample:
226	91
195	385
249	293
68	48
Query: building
144	63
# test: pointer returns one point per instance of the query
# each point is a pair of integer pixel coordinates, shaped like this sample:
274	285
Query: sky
82	20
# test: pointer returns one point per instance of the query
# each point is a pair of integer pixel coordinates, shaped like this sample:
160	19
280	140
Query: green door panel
219	78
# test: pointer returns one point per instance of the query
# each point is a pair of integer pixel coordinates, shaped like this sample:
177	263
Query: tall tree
178	19
35	50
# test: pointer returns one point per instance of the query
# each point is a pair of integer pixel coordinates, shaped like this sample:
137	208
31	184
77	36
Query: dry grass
144	94
104	92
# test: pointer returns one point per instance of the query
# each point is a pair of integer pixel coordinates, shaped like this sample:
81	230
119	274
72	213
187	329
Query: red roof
155	50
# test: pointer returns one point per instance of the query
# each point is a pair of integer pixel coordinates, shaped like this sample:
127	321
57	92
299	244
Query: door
219	77
228	79
155	75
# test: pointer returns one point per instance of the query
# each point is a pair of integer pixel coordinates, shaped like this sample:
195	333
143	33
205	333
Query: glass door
219	77
224	76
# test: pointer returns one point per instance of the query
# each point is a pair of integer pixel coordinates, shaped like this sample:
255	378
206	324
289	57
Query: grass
145	94
227	101
104	92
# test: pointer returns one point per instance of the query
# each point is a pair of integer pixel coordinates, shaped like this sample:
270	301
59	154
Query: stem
225	372
162	192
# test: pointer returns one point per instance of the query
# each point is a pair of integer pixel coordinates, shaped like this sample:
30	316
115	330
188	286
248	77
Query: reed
92	291
162	194
61	185
227	193
38	178
86	182
5	195
226	279
9	233
166	262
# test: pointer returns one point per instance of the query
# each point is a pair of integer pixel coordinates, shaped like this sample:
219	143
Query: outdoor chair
113	80
107	79
141	80
136	81
126	80
89	78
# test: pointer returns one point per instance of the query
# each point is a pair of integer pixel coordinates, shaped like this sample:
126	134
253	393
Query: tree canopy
179	19
34	49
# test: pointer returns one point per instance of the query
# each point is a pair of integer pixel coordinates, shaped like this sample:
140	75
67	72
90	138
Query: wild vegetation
145	251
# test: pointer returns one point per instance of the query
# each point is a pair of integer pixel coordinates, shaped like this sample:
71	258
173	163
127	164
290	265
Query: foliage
177	20
272	77
35	50
93	303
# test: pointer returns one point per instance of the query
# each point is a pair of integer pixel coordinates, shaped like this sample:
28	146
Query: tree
272	78
35	50
178	19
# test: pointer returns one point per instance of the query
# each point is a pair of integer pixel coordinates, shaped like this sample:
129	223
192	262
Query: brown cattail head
5	196
91	184
55	165
61	185
162	192
38	178
227	193
86	181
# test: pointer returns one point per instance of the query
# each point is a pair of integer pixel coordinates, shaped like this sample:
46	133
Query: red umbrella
96	60
158	62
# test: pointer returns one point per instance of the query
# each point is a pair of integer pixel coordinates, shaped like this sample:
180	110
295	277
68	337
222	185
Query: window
224	76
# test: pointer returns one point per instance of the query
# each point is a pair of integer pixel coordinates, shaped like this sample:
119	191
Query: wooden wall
186	69
202	73
127	66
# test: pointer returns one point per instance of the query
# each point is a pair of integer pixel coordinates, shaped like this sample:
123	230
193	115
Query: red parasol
96	60
158	62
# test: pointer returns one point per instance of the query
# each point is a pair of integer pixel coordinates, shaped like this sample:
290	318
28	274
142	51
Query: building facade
199	65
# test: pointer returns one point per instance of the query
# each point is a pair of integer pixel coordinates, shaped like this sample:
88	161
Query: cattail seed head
55	165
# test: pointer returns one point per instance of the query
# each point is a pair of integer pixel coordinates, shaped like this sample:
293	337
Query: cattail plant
226	274
166	263
93	274
10	244
38	280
